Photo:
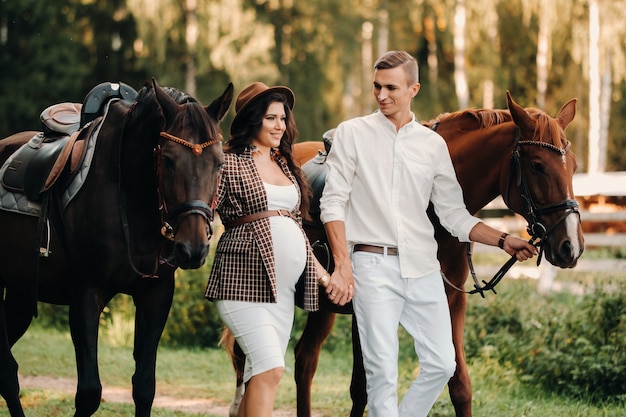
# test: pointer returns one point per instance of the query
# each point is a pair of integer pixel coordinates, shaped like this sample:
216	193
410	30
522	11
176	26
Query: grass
181	373
207	374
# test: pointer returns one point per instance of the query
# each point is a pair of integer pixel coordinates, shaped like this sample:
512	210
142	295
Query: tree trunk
594	89
432	61
367	65
605	112
543	55
460	75
191	39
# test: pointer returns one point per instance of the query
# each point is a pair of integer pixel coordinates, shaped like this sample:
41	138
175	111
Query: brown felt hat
252	92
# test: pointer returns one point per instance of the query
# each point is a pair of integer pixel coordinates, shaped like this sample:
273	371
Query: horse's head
539	184
188	159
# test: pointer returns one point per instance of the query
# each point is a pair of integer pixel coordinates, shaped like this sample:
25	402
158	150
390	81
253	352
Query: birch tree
460	74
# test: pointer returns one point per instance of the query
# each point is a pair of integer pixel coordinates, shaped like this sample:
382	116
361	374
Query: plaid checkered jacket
243	268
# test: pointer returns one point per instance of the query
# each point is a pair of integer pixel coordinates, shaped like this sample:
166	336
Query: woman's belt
257	216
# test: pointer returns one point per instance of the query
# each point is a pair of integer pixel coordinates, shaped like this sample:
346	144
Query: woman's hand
340	288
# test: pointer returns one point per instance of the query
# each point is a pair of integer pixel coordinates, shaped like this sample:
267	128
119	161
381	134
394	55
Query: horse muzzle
191	233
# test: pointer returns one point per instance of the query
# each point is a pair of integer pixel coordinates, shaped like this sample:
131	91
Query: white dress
262	330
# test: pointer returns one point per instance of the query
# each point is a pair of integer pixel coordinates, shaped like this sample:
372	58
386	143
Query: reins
538	231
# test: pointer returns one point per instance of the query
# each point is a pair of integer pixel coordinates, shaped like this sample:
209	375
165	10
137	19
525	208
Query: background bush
193	320
569	344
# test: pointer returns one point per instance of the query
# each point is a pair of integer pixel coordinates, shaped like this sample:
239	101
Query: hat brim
286	91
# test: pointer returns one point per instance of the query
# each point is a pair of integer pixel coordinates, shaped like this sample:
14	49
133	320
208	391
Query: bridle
168	216
538	232
186	208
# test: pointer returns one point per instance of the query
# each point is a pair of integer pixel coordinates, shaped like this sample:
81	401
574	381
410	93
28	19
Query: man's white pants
383	300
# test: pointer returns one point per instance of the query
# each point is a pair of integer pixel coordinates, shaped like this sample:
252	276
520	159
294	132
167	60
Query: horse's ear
567	113
220	105
520	116
167	104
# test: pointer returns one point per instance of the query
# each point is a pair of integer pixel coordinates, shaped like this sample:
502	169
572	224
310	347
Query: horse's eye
168	162
537	167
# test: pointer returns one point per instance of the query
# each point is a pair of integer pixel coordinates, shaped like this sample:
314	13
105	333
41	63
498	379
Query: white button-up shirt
380	183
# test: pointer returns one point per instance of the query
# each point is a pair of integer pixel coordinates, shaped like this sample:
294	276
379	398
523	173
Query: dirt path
123	395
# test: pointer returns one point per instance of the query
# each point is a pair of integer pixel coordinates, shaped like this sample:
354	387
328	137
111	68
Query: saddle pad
19	203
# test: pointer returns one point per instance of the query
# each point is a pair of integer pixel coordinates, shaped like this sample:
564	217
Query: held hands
512	245
340	286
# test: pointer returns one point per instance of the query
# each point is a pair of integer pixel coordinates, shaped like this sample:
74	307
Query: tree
108	31
58	50
41	61
460	75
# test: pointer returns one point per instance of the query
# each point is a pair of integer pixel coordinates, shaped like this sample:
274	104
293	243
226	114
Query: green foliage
193	320
584	353
40	61
52	316
566	344
340	338
58	50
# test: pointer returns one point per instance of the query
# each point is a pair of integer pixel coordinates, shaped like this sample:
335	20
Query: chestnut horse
144	208
522	155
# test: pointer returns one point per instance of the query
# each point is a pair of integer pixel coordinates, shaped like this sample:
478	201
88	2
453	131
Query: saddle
38	164
315	171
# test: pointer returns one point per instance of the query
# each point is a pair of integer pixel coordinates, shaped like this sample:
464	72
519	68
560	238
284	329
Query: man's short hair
394	59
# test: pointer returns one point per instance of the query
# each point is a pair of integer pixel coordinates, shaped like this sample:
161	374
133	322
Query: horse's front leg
307	354
452	258
10	332
84	320
460	386
153	300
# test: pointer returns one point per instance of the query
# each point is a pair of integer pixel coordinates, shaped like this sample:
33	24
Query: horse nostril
566	251
189	257
182	252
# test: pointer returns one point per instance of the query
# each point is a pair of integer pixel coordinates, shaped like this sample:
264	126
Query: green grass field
207	374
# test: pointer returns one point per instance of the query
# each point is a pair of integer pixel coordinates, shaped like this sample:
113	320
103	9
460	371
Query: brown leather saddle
39	163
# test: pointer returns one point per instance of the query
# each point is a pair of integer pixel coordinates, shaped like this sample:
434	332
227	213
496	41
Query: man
383	170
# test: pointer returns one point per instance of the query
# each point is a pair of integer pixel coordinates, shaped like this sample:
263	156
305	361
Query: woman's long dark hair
253	115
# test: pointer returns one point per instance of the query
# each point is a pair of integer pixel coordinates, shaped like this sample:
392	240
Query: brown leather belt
257	216
376	249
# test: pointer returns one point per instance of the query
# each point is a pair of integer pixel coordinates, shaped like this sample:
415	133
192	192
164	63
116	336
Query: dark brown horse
144	208
522	155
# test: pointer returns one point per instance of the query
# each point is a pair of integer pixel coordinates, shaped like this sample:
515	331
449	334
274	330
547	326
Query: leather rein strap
258	216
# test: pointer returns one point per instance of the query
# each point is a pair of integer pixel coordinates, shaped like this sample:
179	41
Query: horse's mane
547	126
483	118
194	114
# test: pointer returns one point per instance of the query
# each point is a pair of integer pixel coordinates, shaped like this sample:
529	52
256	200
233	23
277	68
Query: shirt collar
388	122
